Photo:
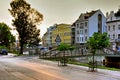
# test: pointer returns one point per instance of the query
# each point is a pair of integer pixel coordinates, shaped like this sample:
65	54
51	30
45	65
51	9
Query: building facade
64	32
47	38
73	34
87	24
113	28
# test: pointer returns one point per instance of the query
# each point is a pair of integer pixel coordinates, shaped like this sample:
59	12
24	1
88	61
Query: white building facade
113	28
87	24
49	36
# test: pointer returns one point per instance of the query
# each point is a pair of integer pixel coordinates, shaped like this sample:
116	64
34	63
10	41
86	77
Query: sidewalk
71	72
101	72
76	67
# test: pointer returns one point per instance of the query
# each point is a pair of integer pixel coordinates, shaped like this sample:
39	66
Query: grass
87	65
100	67
78	63
109	68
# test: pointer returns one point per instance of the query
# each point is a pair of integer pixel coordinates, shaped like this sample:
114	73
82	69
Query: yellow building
64	32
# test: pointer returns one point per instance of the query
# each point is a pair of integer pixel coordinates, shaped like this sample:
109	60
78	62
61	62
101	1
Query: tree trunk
71	52
93	63
21	48
64	59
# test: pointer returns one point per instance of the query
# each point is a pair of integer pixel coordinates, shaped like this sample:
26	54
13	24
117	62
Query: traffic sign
58	40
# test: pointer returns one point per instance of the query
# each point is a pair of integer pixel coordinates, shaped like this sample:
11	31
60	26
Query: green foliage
6	38
3	47
98	41
25	20
78	63
71	48
63	47
85	64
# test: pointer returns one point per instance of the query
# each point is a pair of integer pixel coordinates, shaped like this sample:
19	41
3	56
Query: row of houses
83	28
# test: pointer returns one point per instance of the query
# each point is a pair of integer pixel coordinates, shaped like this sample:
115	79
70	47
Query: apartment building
47	38
87	24
73	34
64	32
113	28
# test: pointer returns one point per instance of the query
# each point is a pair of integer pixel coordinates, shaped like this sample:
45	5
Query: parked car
44	49
3	52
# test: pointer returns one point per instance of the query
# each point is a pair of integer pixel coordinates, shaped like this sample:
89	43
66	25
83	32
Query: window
77	25
113	27
81	25
111	18
100	23
108	28
78	32
113	36
118	27
82	39
109	35
77	39
86	38
67	34
81	31
118	36
85	24
85	31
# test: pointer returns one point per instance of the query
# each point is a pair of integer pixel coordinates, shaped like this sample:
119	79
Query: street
32	68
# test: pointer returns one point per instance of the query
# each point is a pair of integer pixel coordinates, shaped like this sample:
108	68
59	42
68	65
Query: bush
63	47
3	47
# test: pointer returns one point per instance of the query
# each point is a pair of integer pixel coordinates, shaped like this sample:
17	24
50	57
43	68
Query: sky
60	11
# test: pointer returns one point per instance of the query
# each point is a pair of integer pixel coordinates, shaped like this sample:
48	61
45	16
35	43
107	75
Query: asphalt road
32	68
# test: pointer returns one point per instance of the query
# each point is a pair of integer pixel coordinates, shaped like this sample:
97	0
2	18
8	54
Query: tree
71	48
25	20
63	47
6	38
97	42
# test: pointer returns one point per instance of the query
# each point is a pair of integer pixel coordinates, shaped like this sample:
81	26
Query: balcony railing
117	40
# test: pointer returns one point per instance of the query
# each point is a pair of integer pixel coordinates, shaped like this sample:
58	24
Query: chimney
107	14
112	12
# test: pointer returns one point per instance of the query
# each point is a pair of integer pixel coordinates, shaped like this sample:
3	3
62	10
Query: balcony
117	40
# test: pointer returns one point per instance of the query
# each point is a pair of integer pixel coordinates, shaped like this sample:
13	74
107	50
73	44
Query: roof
89	14
85	15
117	14
62	24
